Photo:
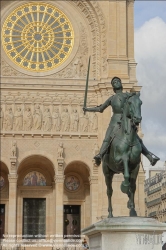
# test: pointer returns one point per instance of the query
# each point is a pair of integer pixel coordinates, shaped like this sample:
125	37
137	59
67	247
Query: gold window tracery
37	36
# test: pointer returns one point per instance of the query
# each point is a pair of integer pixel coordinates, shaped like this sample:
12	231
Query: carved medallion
72	183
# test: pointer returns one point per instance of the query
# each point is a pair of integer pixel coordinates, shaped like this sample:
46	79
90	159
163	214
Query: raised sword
86	88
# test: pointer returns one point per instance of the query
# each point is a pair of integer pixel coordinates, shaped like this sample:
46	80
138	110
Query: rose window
37	36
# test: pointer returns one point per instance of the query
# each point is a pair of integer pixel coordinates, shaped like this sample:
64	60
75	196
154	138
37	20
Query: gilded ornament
37	36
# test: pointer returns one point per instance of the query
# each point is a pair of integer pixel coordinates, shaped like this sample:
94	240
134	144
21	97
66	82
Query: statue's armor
117	102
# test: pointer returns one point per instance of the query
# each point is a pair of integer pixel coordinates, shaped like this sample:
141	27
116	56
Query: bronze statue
117	102
121	148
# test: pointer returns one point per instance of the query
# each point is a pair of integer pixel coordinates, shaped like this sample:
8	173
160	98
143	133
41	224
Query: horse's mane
125	120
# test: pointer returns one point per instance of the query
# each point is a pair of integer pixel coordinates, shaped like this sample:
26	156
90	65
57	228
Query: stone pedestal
125	233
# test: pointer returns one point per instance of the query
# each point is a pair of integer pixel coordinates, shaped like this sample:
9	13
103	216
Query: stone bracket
13	166
60	165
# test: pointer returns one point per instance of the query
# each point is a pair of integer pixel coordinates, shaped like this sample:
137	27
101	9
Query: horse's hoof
133	213
110	215
124	187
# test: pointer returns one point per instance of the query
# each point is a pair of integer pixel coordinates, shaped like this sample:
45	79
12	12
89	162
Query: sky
150	54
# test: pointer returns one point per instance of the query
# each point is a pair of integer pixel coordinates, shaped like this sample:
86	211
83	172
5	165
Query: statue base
124	233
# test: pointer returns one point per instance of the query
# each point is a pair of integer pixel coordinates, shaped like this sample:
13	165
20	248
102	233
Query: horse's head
132	110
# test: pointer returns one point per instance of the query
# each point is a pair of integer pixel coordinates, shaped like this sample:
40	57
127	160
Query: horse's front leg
125	184
108	180
131	194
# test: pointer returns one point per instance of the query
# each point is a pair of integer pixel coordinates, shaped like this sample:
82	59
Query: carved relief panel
46	114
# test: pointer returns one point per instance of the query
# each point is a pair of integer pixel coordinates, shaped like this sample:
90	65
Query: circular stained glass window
72	183
37	36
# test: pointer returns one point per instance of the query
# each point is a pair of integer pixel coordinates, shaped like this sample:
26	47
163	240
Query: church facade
49	183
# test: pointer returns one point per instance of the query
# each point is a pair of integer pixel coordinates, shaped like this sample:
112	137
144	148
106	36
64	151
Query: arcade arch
76	197
4	183
4	200
37	163
36	193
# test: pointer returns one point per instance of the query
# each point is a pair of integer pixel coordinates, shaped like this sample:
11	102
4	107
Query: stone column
12	216
86	221
59	193
140	192
12	177
59	187
93	198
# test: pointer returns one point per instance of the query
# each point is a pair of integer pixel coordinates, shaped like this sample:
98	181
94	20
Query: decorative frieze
39	116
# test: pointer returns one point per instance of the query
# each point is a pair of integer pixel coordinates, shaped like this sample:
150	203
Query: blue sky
150	54
145	10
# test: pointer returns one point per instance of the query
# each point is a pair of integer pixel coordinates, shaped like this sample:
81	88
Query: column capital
93	179
13	159
13	166
60	161
59	178
12	178
60	165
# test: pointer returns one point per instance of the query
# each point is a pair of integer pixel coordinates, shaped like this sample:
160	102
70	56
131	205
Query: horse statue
123	154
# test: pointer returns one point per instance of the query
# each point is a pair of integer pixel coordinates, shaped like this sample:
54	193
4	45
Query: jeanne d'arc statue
117	102
121	149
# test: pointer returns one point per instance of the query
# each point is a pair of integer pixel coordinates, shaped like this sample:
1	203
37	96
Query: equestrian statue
121	149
